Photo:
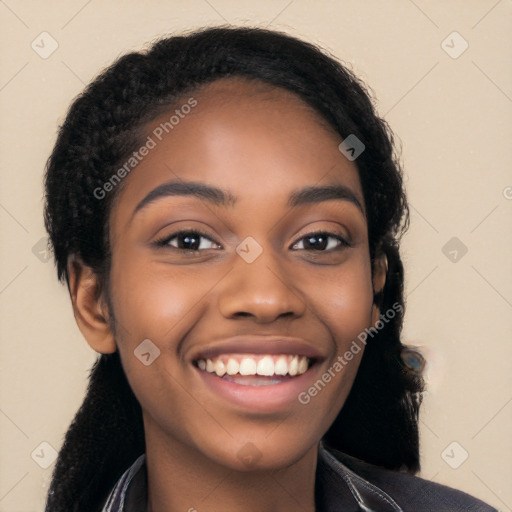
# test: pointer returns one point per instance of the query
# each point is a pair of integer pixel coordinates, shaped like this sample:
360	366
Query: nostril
242	314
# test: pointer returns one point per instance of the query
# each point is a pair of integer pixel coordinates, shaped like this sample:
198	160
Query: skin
260	144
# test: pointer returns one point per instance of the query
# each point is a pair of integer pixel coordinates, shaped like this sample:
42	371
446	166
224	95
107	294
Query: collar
336	488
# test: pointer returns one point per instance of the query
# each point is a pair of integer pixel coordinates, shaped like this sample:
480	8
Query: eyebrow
316	194
214	195
224	198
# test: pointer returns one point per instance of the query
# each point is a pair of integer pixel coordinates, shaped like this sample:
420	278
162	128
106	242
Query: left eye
320	241
189	241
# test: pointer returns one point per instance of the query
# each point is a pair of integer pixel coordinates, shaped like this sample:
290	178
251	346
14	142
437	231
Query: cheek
151	304
150	301
343	303
342	298
154	302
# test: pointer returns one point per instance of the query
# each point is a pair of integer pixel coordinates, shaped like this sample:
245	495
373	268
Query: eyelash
164	242
343	241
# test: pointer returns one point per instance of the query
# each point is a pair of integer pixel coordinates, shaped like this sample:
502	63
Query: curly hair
379	421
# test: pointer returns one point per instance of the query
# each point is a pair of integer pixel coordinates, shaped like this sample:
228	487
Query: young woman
225	209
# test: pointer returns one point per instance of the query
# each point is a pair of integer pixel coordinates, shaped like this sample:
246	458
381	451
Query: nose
263	290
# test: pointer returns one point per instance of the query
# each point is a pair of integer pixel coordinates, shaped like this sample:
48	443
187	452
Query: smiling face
239	247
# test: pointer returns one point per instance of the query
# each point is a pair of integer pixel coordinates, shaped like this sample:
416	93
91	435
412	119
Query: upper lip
257	345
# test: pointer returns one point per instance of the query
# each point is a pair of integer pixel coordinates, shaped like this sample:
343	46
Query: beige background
453	117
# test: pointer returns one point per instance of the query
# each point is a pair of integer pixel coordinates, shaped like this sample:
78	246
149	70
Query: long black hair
379	421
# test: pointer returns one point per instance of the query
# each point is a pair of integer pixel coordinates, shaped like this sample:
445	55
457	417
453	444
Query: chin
264	455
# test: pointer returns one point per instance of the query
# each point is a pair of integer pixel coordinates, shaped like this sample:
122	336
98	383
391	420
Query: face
240	255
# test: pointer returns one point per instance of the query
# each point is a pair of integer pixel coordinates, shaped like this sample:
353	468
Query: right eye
188	240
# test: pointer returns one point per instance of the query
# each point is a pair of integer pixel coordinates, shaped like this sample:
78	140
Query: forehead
258	141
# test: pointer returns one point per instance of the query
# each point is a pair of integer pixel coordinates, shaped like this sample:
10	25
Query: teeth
281	366
293	367
264	365
233	367
248	367
220	368
303	365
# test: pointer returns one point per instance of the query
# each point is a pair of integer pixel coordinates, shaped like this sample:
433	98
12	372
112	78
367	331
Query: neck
181	479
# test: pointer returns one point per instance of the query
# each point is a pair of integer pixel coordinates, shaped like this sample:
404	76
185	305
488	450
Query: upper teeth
248	364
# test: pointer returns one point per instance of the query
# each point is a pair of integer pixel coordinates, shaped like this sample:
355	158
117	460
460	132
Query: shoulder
411	493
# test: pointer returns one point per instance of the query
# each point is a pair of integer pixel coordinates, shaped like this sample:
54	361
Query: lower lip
267	398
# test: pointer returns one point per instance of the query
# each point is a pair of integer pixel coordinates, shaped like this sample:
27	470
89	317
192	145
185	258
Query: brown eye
321	241
188	241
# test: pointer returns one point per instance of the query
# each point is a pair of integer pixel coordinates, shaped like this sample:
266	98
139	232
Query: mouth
256	374
255	369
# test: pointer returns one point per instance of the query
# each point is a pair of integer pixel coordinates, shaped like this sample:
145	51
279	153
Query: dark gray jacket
343	484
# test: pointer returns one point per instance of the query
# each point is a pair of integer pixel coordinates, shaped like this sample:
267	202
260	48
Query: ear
89	307
379	271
